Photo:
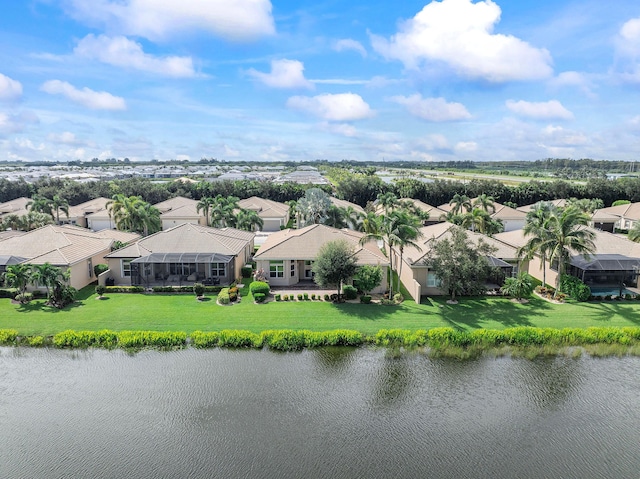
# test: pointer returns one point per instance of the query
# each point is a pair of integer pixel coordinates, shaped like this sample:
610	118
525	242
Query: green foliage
125	289
285	297
293	340
8	293
313	296
299	296
24	297
367	278
518	287
575	288
259	287
35	341
198	289
99	269
246	271
145	339
365	298
224	297
334	263
278	297
327	297
620	202
350	292
305	296
259	297
101	289
205	340
398	298
239	339
8	336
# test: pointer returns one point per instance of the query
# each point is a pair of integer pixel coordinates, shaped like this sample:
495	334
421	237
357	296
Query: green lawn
183	313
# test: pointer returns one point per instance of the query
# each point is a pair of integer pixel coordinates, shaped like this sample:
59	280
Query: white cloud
433	109
559	137
343	129
95	100
284	74
548	110
350	44
458	33
67	138
466	147
16	123
125	53
157	20
627	45
338	107
9	89
573	79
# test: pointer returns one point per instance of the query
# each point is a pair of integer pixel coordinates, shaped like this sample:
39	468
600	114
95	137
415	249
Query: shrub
277	297
575	288
205	340
233	294
350	292
9	293
100	290
607	297
246	271
198	289
306	296
99	269
223	296
8	336
239	339
365	298
628	296
326	297
35	341
259	297
125	289
582	292
398	298
299	296
259	287
313	296
24	297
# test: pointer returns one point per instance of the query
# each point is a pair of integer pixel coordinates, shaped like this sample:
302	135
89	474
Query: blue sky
298	80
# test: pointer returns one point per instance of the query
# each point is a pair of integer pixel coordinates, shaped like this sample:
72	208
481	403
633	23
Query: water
604	291
339	413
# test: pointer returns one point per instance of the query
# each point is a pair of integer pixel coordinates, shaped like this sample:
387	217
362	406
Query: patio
181	269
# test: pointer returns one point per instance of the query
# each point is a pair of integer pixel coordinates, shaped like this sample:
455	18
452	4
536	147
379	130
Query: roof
502	212
186	211
173	203
606	262
560	203
188	238
265	208
184	258
8	260
88	207
345	204
305	243
10	234
15	207
629	211
58	245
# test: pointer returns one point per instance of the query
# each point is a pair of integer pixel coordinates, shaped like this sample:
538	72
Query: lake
335	412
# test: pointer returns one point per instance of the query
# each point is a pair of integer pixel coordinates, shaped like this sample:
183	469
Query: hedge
259	287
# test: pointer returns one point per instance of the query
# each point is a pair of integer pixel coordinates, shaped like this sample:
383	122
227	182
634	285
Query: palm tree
223	211
634	232
205	204
248	220
120	207
46	275
568	234
481	221
41	204
335	217
146	219
353	218
371	223
60	204
518	287
388	201
313	206
132	213
407	229
18	276
460	202
537	227
485	203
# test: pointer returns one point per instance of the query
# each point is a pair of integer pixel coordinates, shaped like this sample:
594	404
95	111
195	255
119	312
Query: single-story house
346	204
16	207
559	203
421	281
287	256
512	219
616	259
185	254
621	217
68	247
178	211
78	214
274	215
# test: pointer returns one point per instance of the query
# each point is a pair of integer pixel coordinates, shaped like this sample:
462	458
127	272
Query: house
180	210
616	259
287	256
274	215
621	217
16	207
420	280
559	203
185	254
511	218
78	214
346	204
436	215
68	247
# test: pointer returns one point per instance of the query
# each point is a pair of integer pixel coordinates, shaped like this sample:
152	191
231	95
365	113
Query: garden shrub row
184	289
8	293
125	289
122	339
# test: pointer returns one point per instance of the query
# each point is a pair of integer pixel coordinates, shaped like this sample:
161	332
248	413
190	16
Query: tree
335	217
18	276
518	287
313	206
368	277
388	201
132	213
205	204
537	228
248	220
60	204
41	204
46	275
461	265
485	203
634	232
334	264
459	203
481	221
223	211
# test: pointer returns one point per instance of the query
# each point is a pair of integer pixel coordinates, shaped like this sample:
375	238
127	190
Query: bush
398	298
205	340
582	293
259	287
306	296
101	289
350	292
99	269
365	298
24	297
259	297
35	341
198	289
607	297
299	296
313	296
8	336
285	297
246	271
233	294
223	296
125	289
575	288
239	339
326	297
277	297
9	293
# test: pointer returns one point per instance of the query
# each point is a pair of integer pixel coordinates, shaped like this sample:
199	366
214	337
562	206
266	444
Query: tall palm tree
479	220
59	204
335	217
46	275
205	204
41	204
388	201
146	219
353	218
407	230
634	232
371	223
485	203
18	276
223	211
119	207
568	234
536	227
248	220
459	203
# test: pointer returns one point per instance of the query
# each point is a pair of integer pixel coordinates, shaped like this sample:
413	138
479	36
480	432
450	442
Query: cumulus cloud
344	129
627	45
284	74
338	107
9	89
125	53
560	137
236	20
350	44
95	100
573	79
16	123
548	110
466	147
433	109
458	33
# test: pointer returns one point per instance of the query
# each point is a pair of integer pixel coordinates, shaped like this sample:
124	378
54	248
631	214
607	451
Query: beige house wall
115	267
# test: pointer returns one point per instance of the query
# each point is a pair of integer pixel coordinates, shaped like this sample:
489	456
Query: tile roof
304	244
265	208
345	204
15	207
173	203
501	211
88	207
630	211
560	203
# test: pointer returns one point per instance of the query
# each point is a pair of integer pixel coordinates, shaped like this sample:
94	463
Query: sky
374	80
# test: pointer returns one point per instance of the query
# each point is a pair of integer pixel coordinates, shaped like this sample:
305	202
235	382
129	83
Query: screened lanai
176	269
606	269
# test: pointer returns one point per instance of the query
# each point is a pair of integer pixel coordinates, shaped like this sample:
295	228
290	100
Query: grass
182	312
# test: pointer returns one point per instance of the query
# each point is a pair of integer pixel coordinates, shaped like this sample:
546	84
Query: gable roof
434	211
15	207
559	203
502	212
630	211
88	207
345	204
188	238
305	243
264	208
58	245
173	203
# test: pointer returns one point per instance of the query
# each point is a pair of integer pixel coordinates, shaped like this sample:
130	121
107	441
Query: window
218	269
276	269
308	269
90	266
433	281
293	268
126	268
